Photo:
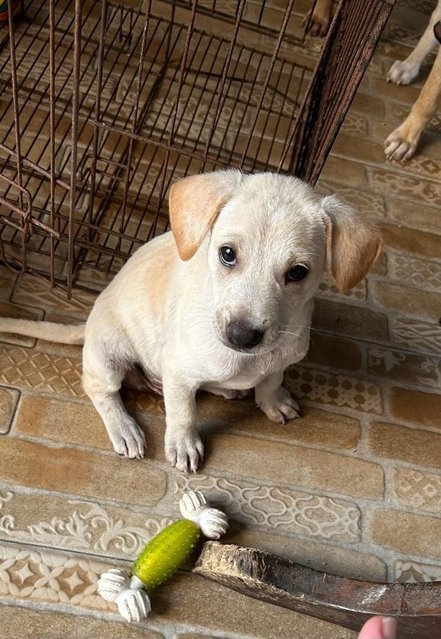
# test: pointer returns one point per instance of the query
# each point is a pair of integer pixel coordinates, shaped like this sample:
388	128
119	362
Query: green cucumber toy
162	557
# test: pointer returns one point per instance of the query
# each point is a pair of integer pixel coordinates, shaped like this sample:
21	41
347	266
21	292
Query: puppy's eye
296	273
227	256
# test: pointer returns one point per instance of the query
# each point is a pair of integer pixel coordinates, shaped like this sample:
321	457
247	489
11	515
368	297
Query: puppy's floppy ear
353	245
195	203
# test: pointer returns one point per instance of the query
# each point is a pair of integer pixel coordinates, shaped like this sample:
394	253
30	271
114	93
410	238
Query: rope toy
162	557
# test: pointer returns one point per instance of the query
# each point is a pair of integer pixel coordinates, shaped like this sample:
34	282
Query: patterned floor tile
415	572
338	390
278	509
415	272
418	489
48	577
32	291
43	519
22	368
417	335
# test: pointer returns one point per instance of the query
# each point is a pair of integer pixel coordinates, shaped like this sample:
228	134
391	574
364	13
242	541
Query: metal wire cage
103	105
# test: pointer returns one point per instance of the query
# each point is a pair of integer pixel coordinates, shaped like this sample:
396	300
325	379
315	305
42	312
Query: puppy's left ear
195	202
353	245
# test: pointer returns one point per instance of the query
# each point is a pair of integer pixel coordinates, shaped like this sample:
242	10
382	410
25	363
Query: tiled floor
354	487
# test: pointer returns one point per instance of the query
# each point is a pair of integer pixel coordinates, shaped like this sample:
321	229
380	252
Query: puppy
319	18
401	144
221	303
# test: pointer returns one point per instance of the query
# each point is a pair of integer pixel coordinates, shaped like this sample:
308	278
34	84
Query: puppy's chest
252	372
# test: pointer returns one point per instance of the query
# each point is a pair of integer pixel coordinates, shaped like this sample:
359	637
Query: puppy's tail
62	333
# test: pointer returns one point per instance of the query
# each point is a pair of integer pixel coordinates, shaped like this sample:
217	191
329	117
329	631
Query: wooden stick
347	602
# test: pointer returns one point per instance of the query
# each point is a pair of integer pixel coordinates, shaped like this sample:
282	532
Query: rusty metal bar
74	158
346	53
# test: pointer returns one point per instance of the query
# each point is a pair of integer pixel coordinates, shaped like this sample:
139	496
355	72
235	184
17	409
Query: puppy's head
266	240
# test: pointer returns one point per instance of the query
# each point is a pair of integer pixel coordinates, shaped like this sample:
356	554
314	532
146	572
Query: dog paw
400	147
129	440
184	451
402	72
280	407
318	21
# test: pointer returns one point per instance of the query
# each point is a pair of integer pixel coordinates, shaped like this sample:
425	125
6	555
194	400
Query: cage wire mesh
103	106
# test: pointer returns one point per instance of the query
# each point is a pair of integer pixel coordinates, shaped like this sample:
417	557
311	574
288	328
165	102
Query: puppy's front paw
184	450
400	145
128	439
280	407
402	72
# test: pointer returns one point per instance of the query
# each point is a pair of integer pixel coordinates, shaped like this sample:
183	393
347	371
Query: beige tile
415	406
278	509
37	624
293	466
34	291
406	214
416	571
50	578
400	185
401	366
349	320
410	240
78	423
417	335
371	106
322	428
334	352
337	390
8	402
355	174
28	369
362	150
404	532
82	473
414	271
44	519
399	443
418	489
406	300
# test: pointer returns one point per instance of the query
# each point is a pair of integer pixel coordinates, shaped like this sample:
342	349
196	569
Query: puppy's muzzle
240	334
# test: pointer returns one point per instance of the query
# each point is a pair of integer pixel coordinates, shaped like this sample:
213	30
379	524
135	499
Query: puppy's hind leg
102	383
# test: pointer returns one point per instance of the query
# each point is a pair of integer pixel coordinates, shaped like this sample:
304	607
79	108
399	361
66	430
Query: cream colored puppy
223	302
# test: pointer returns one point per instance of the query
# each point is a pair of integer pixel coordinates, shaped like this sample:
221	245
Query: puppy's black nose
242	335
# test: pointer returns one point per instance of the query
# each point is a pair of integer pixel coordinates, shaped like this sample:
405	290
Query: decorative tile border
391	183
23	368
337	390
281	510
405	367
76	525
418	489
417	272
414	571
47	577
417	335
